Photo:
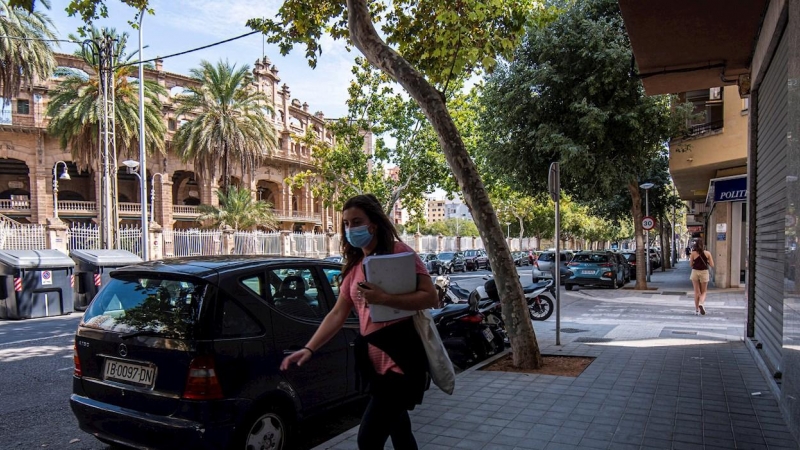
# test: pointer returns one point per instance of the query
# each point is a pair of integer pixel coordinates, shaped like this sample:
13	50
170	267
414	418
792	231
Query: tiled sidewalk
708	396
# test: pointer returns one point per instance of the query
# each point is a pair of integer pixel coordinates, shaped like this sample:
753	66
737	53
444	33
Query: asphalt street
36	356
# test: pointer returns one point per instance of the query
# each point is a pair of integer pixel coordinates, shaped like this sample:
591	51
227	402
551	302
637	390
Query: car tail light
77	361
472	318
573	264
608	274
202	382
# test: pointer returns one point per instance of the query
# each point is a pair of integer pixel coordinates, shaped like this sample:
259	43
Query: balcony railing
287	214
125	207
77	206
703	128
14	205
185	210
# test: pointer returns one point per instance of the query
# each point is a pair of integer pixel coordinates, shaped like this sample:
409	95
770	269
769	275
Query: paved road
36	356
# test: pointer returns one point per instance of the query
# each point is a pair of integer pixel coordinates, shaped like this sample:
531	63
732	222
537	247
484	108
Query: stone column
439	243
418	242
330	250
155	241
163	205
228	242
57	235
40	180
458	243
286	243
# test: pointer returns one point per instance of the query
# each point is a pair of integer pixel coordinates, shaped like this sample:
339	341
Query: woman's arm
710	259
330	325
423	298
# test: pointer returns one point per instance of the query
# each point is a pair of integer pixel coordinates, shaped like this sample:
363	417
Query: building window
745	105
23	106
171	124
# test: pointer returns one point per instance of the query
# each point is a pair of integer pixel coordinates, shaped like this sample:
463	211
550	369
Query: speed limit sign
648	223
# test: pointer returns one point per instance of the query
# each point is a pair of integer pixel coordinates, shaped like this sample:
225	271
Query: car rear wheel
615	283
568	286
266	428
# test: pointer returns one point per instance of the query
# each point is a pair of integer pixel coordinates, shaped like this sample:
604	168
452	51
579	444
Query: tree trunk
665	250
636	212
525	349
226	178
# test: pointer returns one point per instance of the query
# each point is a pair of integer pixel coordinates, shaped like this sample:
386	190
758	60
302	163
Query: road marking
24	341
65	368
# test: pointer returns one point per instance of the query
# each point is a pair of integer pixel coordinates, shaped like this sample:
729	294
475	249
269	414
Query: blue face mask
358	236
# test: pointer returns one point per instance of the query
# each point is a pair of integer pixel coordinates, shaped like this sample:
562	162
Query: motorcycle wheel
542	310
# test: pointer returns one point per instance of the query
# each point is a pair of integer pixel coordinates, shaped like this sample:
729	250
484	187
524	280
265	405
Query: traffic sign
648	223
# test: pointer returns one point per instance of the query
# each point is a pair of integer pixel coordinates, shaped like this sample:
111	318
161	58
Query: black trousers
386	416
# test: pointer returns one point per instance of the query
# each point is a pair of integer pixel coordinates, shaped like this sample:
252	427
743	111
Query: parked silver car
543	266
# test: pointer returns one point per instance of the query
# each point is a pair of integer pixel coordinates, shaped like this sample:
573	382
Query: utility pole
142	152
103	52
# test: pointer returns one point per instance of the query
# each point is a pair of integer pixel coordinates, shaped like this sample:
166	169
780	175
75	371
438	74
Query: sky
180	25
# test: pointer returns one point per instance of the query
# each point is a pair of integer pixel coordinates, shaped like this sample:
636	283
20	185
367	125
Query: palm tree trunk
226	177
525	349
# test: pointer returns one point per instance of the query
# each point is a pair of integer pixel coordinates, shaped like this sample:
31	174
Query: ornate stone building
28	159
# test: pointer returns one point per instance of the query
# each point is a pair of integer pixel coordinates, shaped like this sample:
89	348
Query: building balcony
286	215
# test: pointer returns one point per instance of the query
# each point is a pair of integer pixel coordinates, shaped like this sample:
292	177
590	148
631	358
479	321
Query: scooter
449	291
465	334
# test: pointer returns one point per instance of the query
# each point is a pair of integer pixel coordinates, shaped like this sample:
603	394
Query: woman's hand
372	293
299	357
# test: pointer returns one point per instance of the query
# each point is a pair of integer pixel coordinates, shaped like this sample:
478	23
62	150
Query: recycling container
35	283
92	271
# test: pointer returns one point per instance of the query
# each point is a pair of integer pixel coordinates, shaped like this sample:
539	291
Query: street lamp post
153	192
508	230
64	176
135	168
647	187
142	164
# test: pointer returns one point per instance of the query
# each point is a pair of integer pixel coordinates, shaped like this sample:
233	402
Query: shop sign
731	190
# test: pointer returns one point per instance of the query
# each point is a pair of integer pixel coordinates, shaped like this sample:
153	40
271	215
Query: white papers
395	274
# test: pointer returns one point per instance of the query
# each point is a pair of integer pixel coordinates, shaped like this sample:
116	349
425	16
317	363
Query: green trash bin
35	283
92	271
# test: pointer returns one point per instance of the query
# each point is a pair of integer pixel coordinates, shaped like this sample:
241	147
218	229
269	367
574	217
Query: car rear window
446	255
159	306
546	256
630	256
590	258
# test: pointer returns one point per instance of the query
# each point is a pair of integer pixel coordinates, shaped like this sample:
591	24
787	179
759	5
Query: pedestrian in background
688	251
701	261
390	357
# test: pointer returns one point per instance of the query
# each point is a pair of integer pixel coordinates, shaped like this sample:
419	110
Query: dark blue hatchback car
185	353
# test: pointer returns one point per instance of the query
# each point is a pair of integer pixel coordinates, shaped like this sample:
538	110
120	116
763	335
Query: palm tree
76	109
230	121
24	54
238	210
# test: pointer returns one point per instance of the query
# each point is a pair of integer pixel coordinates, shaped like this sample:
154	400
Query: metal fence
22	237
130	239
180	243
449	243
309	244
83	237
256	243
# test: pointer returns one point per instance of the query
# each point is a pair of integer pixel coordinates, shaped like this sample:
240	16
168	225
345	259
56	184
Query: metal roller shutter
771	205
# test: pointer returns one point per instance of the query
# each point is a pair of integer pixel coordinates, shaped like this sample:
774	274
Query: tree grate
573	330
593	339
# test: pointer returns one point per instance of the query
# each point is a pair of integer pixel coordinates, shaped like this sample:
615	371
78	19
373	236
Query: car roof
205	266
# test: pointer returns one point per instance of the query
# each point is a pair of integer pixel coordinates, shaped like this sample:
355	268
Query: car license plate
587	272
487	333
138	374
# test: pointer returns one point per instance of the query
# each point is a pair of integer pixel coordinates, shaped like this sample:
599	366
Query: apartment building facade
752	47
29	156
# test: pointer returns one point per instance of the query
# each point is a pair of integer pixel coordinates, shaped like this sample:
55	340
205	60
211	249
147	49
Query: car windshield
630	256
446	256
161	306
590	258
471	253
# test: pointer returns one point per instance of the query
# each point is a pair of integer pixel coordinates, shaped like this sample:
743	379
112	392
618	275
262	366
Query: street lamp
135	168
64	176
153	191
142	138
508	230
647	187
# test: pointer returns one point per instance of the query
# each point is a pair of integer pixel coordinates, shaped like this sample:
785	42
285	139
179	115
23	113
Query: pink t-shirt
380	360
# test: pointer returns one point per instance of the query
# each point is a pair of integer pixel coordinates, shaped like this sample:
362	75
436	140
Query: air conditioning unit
715	93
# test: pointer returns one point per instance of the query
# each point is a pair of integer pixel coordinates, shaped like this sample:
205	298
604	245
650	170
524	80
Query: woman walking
390	357
701	261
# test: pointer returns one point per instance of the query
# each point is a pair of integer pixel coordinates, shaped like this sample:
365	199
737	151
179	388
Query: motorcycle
449	292
466	336
540	305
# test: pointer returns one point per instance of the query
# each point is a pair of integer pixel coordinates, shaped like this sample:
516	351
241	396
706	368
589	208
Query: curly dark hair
386	232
